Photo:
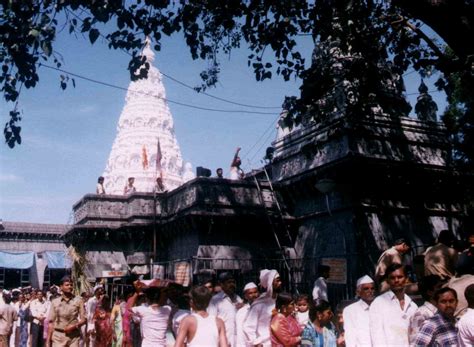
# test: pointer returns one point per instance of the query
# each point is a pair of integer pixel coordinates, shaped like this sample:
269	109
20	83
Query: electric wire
155	96
187	85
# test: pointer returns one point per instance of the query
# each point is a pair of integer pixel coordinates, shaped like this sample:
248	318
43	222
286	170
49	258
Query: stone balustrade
205	196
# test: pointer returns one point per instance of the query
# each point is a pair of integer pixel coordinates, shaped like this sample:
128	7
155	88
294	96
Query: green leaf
34	32
93	35
46	46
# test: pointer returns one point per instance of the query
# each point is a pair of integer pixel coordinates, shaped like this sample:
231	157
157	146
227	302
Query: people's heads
469	295
227	283
131	180
173	291
156	295
396	277
302	303
428	285
220	173
446	237
277	284
270	280
402	246
100	179
66	285
251	292
321	312
200	297
324	271
285	304
209	284
366	289
183	301
446	301
40	295
98	291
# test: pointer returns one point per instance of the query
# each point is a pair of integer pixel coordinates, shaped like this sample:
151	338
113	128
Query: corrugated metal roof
33	228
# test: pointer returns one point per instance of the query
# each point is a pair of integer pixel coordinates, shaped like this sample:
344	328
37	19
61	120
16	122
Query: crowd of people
163	313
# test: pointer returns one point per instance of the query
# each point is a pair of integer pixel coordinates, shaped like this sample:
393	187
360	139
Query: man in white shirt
390	312
39	309
257	324
250	294
225	304
356	316
466	323
91	306
320	287
154	317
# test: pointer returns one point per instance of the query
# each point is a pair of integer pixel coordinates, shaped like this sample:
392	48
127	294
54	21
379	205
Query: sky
67	135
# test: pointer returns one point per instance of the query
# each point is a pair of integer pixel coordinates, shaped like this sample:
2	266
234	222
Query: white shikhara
145	120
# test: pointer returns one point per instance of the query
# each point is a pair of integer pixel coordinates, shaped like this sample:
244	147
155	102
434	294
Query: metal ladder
272	198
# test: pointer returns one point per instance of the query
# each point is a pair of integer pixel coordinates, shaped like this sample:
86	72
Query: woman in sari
116	319
285	330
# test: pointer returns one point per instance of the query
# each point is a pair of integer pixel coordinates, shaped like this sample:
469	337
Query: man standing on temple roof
225	304
393	255
440	329
129	188
390	312
99	190
320	287
257	324
441	258
356	316
235	171
219	173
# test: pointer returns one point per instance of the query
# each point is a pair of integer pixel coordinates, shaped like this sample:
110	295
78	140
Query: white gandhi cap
364	280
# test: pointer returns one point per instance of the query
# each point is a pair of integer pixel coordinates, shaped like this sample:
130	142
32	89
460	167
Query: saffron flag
158	170
144	158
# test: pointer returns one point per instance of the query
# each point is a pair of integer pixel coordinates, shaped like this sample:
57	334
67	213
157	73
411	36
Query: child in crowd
302	309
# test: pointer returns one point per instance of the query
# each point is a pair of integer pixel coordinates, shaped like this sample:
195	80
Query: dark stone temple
352	175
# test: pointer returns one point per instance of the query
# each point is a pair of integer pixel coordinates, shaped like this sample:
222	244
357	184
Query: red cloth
285	331
103	329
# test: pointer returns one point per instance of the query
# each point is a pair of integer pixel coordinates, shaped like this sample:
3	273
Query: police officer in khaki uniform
66	317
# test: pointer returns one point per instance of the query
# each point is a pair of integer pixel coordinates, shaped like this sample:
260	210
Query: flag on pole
144	158
158	170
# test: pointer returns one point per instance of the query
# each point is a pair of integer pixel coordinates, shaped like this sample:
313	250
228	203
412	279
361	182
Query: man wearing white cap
250	294
356	316
257	323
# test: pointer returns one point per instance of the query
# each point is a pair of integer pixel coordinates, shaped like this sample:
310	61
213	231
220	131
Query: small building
32	254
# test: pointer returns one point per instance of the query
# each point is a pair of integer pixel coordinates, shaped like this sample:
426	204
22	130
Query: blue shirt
310	337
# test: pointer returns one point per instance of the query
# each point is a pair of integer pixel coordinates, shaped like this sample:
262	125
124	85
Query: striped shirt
437	331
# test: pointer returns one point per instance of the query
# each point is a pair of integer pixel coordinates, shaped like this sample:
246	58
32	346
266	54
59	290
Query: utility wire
187	85
272	124
155	96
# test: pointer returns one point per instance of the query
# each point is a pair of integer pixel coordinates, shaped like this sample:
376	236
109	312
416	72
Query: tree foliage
380	30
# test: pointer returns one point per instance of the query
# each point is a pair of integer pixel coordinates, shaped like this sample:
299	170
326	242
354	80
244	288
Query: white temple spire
145	118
